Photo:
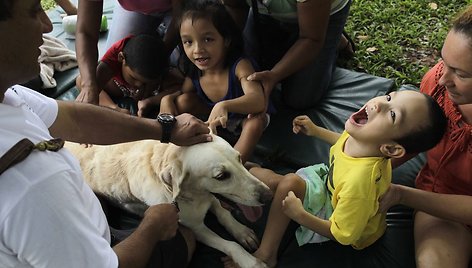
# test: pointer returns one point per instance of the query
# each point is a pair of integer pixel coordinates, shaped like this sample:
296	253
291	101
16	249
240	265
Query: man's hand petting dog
189	130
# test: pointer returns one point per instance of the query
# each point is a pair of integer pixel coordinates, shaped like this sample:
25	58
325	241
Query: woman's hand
390	198
268	80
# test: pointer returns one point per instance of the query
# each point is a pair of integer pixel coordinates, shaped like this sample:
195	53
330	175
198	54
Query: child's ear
121	57
394	150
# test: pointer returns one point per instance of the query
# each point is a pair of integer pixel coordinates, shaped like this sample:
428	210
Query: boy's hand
304	125
292	206
144	106
218	117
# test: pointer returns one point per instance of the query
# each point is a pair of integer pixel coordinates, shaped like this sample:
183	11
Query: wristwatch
167	122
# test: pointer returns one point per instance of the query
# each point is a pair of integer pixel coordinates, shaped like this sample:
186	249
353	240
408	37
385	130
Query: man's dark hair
429	133
5	9
146	55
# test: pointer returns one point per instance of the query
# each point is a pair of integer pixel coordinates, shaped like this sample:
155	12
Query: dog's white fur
152	172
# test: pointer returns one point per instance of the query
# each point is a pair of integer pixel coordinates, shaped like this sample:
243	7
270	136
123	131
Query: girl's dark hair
428	133
146	55
5	9
214	11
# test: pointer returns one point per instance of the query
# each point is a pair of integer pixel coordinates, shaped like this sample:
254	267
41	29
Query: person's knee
292	182
190	240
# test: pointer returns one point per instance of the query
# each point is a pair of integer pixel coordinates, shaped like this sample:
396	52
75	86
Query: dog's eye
223	176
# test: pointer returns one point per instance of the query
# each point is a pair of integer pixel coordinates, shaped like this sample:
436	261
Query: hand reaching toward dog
164	219
189	130
217	117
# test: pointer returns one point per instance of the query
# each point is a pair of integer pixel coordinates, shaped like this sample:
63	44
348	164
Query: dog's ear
172	176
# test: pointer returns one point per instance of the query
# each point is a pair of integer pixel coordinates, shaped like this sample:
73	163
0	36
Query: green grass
397	39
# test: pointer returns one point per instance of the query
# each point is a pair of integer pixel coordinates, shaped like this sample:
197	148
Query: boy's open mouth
360	117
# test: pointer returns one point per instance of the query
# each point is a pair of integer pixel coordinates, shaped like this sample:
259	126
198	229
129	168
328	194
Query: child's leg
277	221
267	176
441	243
252	130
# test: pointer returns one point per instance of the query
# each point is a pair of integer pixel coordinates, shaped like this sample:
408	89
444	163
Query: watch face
167	118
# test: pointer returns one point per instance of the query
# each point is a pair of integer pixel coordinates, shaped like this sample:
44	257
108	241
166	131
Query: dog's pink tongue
252	214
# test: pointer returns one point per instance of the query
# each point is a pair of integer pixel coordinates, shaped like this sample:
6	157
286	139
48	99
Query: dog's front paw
256	263
247	238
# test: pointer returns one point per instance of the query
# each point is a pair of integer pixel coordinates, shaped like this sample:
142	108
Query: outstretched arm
448	206
160	223
303	124
86	123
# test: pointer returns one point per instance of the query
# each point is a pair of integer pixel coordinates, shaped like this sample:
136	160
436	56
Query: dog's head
214	167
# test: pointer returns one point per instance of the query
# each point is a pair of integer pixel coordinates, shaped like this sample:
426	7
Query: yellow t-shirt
356	184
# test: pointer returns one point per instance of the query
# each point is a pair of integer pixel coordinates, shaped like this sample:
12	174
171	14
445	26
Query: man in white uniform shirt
48	216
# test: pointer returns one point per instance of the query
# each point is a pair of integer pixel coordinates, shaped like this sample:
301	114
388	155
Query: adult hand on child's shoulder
189	130
267	78
390	198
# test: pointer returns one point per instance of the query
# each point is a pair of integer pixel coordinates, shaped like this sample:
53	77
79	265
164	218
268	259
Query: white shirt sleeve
46	108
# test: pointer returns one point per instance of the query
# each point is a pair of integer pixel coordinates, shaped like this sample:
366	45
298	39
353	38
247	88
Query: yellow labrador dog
152	172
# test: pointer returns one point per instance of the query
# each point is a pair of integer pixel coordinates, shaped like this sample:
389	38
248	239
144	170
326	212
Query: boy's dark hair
428	134
5	9
215	12
146	55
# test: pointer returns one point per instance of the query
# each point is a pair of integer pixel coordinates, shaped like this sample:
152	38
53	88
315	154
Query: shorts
172	253
317	201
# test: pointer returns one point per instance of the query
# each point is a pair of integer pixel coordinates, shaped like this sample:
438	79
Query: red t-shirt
111	60
449	164
146	6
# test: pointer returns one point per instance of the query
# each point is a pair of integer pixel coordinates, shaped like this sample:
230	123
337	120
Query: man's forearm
87	123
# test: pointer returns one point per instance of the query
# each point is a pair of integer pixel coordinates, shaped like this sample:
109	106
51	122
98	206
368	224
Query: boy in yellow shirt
340	202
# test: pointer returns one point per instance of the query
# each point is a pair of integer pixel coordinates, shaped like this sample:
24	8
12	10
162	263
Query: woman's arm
89	17
448	206
313	19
